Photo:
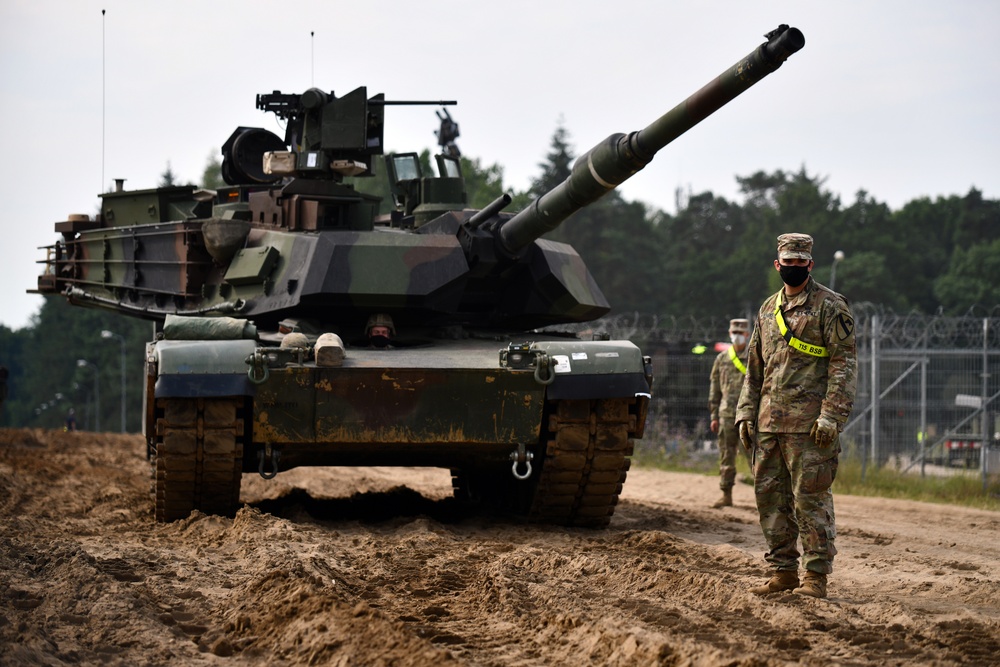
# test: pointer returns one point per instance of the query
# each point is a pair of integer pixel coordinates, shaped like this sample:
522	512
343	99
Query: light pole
837	257
97	393
121	339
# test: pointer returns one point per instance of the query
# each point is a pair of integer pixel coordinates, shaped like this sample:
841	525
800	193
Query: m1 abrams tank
297	327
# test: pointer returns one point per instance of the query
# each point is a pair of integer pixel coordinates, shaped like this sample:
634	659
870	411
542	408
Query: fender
595	369
202	368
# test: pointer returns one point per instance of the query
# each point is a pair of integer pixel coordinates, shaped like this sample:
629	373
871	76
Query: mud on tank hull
539	429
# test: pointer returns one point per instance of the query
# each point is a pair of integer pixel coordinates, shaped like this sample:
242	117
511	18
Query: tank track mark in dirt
585	465
198	456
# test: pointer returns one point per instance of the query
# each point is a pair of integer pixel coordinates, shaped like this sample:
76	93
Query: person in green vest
728	372
799	391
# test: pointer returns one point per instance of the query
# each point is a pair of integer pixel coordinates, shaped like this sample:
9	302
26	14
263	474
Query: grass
960	489
964	489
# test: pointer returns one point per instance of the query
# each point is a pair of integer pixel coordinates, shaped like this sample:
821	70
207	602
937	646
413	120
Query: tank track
577	482
198	460
586	463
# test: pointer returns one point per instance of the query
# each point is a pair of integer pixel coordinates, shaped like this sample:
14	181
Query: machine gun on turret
326	137
447	134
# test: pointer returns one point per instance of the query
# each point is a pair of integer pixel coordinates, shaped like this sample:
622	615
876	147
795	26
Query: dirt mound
379	566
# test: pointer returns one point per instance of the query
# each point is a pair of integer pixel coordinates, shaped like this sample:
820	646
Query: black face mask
793	275
379	341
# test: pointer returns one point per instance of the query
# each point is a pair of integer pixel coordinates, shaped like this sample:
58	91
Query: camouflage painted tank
297	327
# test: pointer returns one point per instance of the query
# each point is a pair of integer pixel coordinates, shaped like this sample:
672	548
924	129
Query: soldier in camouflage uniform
798	394
727	381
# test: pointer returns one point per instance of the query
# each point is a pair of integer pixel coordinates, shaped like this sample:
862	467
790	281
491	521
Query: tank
297	326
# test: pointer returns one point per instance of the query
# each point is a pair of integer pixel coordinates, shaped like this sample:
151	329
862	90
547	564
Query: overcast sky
900	98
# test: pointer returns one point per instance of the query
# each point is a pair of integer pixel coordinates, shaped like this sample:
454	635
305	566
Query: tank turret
290	237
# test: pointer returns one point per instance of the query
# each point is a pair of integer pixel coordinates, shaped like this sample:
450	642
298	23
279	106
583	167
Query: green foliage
211	178
715	257
680	455
557	165
167	178
973	277
482	184
886	482
46	379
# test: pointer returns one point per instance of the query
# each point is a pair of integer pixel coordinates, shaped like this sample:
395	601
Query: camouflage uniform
723	394
785	392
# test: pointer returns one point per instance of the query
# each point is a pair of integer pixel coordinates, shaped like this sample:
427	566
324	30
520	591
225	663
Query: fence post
984	447
923	413
876	333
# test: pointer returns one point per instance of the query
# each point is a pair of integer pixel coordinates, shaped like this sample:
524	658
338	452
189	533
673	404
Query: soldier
727	381
799	390
380	330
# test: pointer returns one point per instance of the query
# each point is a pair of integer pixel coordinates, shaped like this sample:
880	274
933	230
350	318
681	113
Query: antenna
312	59
103	98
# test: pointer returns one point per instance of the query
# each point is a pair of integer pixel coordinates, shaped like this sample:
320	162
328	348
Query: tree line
711	258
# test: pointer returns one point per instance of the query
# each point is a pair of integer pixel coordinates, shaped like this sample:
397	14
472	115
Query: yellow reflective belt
735	358
801	346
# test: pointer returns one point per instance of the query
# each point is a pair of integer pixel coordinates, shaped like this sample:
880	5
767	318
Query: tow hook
258	371
264	454
521	456
544	373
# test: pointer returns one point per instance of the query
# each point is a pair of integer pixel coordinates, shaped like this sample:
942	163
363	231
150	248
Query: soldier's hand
714	426
824	431
747	429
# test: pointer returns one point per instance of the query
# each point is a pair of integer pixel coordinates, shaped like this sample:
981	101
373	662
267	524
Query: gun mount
325	137
447	134
298	326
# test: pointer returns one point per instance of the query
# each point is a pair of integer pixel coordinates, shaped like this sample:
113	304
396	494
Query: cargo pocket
818	477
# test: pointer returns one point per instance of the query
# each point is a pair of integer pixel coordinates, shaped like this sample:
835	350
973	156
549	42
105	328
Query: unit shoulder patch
845	326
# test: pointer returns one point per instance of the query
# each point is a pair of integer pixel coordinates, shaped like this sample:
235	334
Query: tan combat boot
813	585
781	580
726	500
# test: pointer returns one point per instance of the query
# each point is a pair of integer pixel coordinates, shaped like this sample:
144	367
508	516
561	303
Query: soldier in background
798	394
728	372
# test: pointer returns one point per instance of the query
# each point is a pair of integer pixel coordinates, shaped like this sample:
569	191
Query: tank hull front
540	428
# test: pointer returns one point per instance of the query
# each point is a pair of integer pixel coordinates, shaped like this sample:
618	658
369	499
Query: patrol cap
739	326
795	246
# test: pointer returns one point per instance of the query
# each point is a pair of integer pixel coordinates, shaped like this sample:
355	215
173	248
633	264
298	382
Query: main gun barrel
608	164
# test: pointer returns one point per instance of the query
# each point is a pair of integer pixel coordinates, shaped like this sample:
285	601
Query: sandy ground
378	566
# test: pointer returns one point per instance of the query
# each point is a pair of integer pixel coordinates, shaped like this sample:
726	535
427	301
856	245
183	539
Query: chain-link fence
928	390
935	407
